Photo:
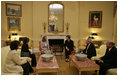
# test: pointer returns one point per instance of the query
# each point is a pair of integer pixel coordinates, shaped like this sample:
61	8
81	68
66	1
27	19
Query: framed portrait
14	24
95	19
13	10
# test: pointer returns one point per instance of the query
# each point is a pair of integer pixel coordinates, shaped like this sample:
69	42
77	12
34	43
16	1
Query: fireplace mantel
55	36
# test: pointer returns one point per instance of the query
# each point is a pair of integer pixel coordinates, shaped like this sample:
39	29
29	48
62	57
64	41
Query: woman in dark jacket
26	53
68	47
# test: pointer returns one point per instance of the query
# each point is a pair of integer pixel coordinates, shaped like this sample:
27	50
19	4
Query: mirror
56	18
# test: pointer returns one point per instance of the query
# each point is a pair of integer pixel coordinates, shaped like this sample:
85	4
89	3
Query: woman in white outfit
44	45
14	64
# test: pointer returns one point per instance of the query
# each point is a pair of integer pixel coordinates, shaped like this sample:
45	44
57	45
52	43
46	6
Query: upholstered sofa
101	52
4	52
82	44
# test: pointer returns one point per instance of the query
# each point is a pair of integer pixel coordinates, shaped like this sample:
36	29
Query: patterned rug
64	68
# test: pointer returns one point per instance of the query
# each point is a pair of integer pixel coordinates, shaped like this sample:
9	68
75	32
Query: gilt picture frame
95	19
14	24
13	9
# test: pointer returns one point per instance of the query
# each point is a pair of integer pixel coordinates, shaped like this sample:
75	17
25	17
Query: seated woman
69	47
44	46
90	48
14	64
26	53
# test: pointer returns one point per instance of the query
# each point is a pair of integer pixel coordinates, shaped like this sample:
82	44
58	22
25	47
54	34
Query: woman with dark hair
44	39
44	45
26	53
68	47
14	64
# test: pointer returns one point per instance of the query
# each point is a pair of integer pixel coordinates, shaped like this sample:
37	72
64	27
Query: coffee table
87	65
51	66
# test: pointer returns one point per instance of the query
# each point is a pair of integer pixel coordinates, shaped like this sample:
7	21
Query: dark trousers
27	68
67	53
104	67
32	56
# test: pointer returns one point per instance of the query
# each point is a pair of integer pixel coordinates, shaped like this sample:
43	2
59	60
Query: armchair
40	50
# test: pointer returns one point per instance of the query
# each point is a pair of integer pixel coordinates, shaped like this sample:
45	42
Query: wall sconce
44	27
90	37
94	34
67	27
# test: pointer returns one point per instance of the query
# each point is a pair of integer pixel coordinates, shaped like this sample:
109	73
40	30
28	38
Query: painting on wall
13	10
13	24
95	19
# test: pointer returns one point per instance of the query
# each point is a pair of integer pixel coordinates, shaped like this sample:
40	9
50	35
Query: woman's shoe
66	60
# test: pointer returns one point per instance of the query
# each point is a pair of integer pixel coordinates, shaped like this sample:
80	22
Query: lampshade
91	37
94	34
14	34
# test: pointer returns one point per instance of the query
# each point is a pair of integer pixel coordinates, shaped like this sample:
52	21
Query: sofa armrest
97	51
112	71
93	58
2	73
96	57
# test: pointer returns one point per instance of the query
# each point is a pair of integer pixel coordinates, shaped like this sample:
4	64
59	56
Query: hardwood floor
64	68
